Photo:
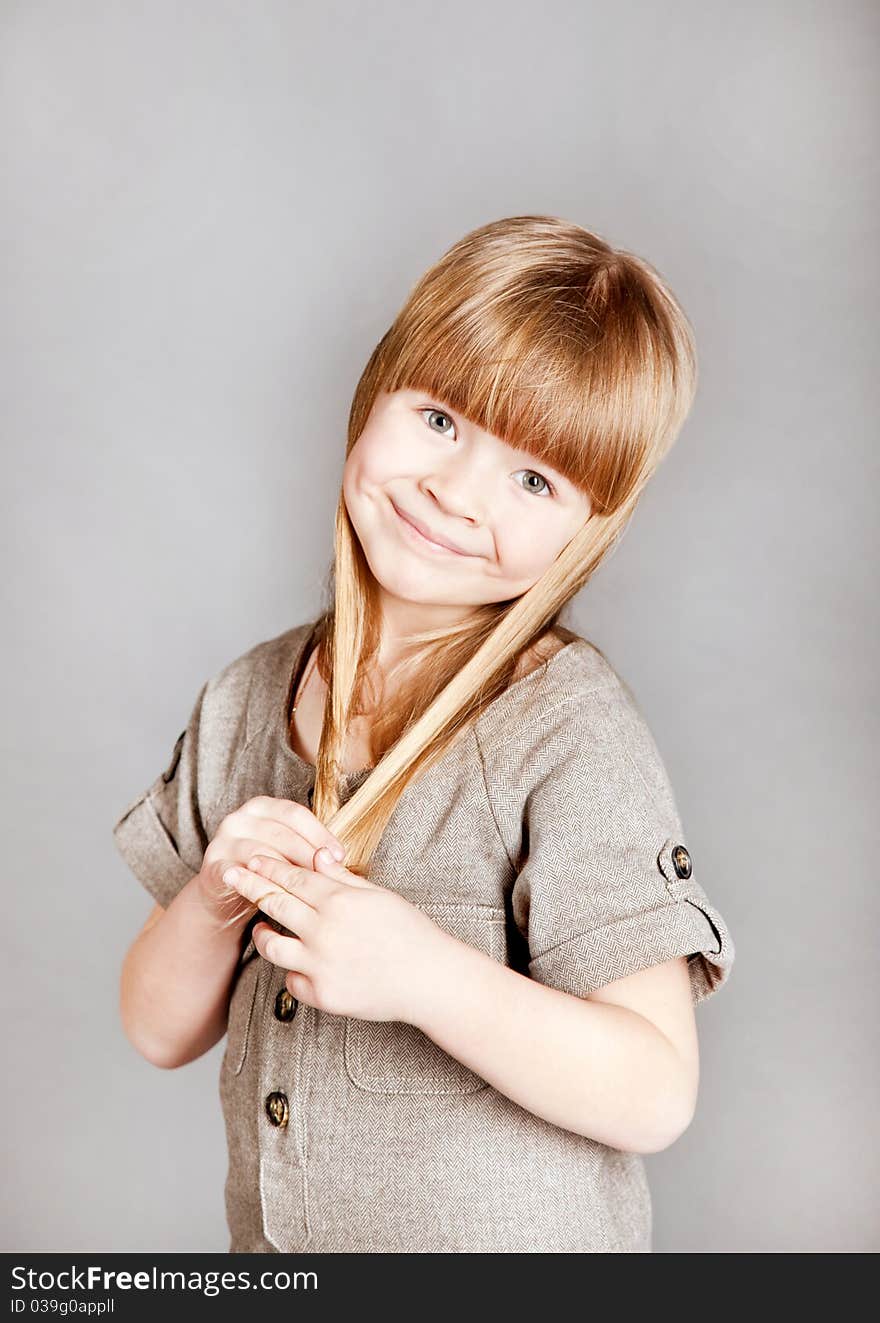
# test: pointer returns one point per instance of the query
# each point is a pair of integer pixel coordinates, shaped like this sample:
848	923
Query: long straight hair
543	334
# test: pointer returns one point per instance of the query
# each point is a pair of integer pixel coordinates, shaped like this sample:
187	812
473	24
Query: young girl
463	1032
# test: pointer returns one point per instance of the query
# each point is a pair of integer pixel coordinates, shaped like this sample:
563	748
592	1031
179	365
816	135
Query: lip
420	531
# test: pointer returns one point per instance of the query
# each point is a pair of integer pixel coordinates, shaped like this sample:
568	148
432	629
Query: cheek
528	547
378	457
364	491
362	478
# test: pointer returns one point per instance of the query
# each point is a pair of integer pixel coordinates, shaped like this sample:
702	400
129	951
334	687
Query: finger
277	902
327	866
285	952
301	987
230	906
252	836
277	837
245	847
293	817
309	885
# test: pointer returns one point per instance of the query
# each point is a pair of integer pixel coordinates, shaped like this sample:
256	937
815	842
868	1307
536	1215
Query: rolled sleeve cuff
150	853
687	927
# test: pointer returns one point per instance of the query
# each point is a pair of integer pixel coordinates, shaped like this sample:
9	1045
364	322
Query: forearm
590	1067
176	980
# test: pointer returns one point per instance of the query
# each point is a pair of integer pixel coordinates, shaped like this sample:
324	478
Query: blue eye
546	490
438	413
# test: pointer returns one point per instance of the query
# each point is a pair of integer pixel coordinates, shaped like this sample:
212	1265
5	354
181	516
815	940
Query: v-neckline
294	671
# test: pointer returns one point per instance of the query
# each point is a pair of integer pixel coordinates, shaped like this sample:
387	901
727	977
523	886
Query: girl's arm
598	1068
176	979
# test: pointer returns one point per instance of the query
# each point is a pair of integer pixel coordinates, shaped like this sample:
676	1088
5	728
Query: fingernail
338	851
230	877
324	855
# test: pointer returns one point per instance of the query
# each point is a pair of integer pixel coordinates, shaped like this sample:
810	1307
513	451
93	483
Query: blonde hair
543	334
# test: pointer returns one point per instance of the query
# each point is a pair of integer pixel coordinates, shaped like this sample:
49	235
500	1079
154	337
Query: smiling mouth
420	538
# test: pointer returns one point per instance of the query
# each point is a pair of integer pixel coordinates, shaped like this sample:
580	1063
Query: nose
453	509
455	492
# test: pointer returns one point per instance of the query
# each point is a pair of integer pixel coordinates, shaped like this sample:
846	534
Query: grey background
210	213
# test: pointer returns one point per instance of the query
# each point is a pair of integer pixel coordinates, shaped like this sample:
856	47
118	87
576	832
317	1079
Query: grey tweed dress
548	837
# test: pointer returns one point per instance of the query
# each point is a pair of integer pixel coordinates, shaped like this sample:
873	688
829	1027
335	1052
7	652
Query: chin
412	587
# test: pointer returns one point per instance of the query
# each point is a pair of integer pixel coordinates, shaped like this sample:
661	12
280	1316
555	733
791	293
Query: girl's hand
279	828
359	949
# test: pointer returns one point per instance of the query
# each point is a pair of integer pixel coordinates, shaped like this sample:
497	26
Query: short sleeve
161	834
608	885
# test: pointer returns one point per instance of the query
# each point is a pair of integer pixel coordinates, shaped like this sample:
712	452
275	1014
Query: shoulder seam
576	698
612	684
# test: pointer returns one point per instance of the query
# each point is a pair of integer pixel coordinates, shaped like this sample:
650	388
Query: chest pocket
390	1056
241	1011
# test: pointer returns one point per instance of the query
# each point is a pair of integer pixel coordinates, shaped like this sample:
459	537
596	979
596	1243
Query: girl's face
417	463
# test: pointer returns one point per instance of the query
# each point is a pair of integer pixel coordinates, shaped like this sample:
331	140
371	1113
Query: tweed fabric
543	837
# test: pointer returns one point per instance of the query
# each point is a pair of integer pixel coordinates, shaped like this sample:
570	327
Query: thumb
325	864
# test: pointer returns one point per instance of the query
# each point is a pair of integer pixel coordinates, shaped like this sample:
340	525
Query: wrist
439	970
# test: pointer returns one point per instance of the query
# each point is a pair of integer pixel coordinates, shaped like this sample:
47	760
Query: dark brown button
681	861
276	1107
285	1005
